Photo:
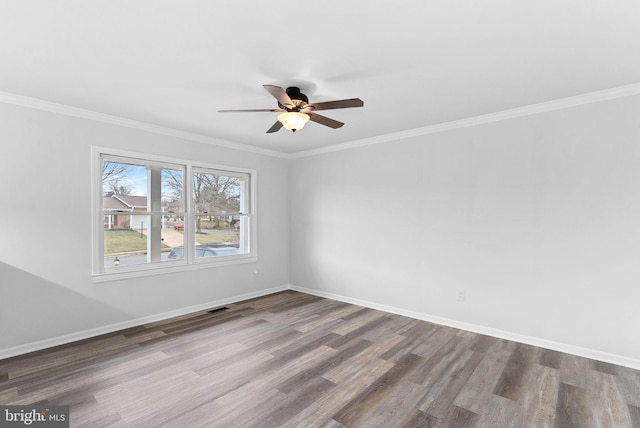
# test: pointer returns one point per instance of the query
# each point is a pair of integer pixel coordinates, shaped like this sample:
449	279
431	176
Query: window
143	221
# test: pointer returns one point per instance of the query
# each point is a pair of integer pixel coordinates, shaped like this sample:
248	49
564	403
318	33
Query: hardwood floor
295	360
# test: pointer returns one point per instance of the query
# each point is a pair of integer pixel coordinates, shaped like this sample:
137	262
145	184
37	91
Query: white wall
46	290
537	219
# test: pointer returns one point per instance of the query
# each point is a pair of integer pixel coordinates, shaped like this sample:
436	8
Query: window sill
116	275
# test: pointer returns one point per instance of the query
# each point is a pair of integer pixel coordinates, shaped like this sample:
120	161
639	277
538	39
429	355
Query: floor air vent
213	311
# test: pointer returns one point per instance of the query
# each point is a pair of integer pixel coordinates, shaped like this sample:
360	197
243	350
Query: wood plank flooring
295	360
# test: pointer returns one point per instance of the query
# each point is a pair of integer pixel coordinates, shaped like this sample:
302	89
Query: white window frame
189	262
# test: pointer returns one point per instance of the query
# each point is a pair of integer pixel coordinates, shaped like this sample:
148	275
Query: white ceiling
414	63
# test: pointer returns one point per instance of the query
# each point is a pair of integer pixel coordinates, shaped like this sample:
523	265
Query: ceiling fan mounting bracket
299	100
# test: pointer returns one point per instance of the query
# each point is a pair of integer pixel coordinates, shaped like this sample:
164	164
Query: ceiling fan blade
323	120
329	105
279	94
275	128
251	110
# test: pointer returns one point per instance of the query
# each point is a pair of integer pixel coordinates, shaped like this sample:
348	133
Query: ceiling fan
296	110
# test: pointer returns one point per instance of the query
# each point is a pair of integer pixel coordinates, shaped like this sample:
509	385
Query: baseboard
529	340
86	334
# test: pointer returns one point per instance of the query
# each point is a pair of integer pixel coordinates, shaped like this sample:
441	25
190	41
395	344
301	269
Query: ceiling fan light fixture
296	110
293	121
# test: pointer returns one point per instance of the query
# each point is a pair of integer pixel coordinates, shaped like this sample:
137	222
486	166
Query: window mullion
154	204
189	218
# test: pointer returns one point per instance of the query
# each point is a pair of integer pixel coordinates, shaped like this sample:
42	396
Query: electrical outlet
461	295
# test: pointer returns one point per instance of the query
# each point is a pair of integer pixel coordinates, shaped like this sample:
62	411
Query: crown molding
547	106
34	103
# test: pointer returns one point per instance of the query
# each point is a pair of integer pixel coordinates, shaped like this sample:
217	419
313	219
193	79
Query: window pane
172	243
217	193
127	182
123	179
124	246
172	189
127	241
220	235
